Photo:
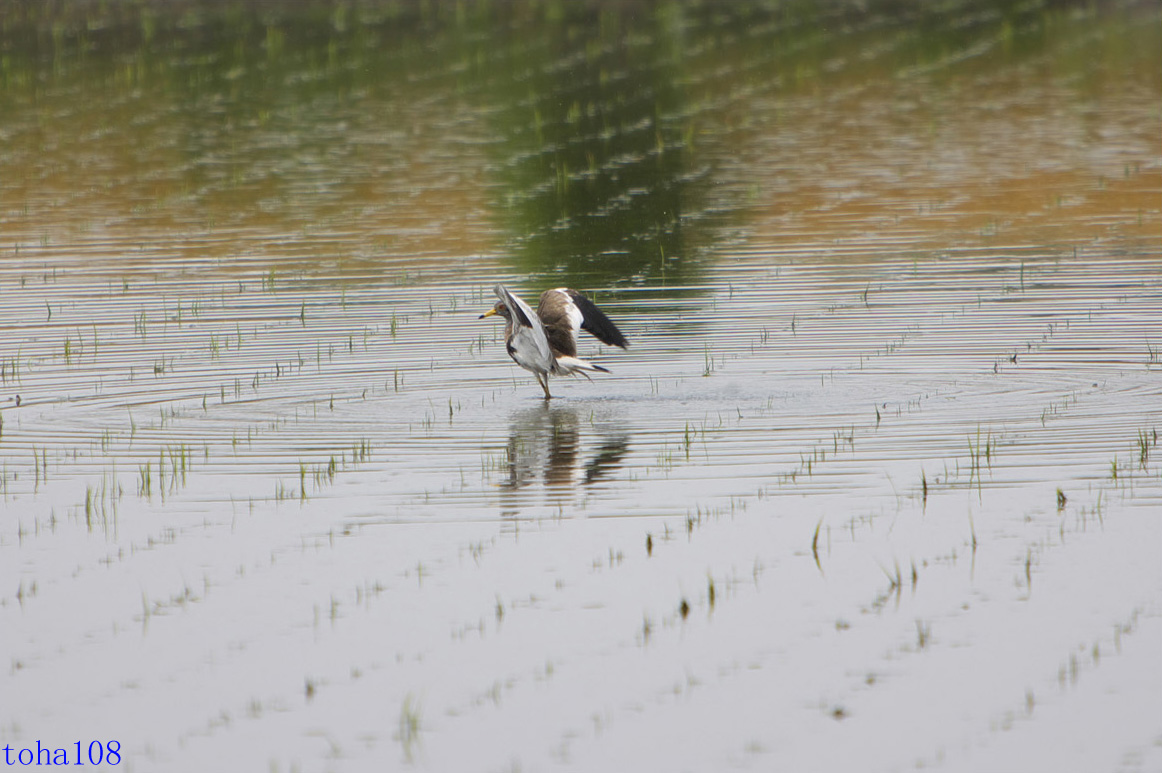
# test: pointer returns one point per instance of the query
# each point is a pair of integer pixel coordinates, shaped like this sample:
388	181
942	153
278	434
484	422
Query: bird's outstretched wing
529	345
594	321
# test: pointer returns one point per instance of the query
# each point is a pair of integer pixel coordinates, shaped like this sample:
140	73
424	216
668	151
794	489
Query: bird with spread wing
545	341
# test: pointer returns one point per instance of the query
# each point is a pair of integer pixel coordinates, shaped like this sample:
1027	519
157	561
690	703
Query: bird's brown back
554	314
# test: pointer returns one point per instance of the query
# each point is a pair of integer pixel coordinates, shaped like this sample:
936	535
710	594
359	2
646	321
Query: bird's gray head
500	309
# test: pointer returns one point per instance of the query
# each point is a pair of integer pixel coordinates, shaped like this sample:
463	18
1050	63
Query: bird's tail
567	366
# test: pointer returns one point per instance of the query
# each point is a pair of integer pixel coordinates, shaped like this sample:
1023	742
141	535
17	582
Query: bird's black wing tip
594	321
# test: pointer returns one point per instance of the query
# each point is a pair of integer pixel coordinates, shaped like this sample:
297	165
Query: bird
545	342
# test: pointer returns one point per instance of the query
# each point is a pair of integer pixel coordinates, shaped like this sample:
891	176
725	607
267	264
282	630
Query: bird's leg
544	381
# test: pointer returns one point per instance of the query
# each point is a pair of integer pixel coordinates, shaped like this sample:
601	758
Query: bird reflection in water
546	448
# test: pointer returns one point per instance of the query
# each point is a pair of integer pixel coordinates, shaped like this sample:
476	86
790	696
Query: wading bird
546	342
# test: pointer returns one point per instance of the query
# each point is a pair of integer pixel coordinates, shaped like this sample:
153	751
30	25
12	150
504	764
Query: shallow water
875	486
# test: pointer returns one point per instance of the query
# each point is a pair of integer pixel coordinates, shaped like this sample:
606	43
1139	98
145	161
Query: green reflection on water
605	142
600	174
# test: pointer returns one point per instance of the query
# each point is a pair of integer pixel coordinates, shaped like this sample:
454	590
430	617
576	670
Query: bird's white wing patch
529	345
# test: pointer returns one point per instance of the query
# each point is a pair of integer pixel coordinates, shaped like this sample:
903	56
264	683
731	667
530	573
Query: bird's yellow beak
488	313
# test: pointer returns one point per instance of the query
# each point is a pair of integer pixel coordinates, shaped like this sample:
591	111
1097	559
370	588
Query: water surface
875	486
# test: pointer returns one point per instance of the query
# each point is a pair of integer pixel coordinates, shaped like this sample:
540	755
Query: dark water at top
602	145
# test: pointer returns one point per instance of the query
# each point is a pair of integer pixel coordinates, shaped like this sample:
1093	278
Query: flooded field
877	484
